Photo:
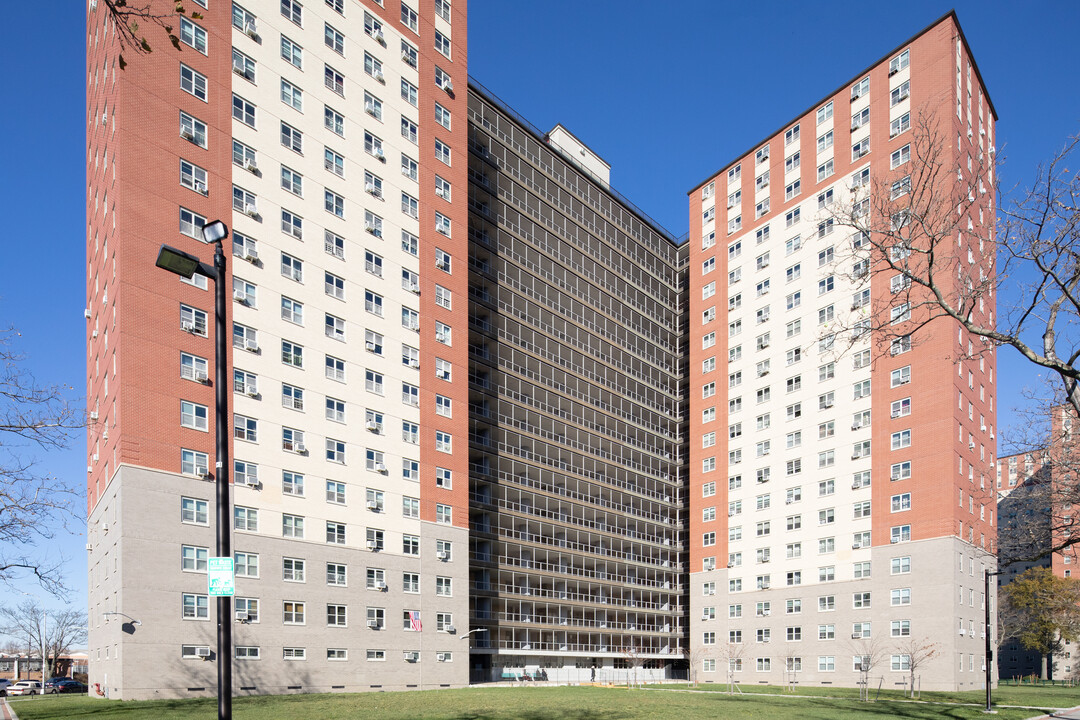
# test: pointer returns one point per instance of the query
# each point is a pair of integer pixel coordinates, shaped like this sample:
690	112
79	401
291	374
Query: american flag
414	620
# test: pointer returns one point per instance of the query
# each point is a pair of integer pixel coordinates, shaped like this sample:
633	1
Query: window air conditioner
250	210
379	153
379	76
251	255
440	192
252	390
380	585
203	652
240	296
855	486
187	326
378	35
300	448
251	346
442	264
202	471
371	544
856	546
442	555
451	629
373	426
188	135
200	188
893	541
249	28
448	85
242	616
374	624
380	467
412	656
370	227
93	414
372	505
369	108
250	165
441	657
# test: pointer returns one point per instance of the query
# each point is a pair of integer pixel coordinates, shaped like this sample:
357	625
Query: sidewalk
6	713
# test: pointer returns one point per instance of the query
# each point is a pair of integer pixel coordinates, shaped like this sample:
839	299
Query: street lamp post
187	265
989	652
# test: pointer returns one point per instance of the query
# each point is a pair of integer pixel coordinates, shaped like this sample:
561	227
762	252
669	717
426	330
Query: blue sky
666	93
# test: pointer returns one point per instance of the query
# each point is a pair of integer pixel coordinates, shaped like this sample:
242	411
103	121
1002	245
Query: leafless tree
928	229
694	658
33	504
730	655
129	19
919	652
634	660
870	652
62	629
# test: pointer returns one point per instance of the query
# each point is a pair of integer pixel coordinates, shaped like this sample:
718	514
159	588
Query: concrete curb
6	712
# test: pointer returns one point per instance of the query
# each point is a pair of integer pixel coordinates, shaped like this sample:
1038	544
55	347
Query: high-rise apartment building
841	487
476	391
1035	501
330	136
576	482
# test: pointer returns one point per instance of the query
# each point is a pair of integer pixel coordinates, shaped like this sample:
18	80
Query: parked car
52	684
4	684
25	687
67	685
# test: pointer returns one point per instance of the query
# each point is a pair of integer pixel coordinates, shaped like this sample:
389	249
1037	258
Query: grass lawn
1042	696
539	703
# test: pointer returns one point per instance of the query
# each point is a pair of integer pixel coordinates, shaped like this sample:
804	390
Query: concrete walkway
6	713
1070	714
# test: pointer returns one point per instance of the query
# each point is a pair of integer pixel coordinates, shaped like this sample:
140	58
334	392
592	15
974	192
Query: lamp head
177	261
214	231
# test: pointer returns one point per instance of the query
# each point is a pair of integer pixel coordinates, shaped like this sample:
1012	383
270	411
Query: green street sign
219	577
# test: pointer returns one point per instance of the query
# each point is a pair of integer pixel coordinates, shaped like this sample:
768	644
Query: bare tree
927	228
694	658
128	19
55	632
731	656
634	660
918	652
870	652
32	504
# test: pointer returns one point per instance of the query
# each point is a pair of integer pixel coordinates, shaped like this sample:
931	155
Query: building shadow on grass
549	714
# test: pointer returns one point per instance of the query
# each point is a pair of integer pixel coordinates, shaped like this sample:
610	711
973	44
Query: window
193	415
243	110
900	533
333	203
442	43
442	116
443	441
246	565
192	82
444	586
900	93
442	224
194	131
193	559
193	35
824	113
900	596
442	151
901	439
899	157
195	607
